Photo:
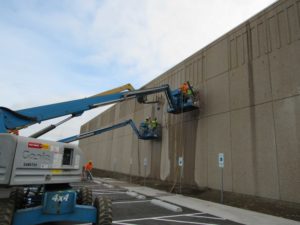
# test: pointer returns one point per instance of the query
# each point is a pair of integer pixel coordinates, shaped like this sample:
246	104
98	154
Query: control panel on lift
26	161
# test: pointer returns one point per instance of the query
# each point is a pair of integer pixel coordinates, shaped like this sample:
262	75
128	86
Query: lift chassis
50	167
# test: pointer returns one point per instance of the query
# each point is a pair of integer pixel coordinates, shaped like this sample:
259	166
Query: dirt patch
268	206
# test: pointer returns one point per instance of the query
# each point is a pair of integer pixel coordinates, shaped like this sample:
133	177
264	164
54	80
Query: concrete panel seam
217	75
288	25
230	133
296	2
237	109
276	148
228	111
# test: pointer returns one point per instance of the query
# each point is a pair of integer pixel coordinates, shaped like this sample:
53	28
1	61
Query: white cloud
151	36
61	50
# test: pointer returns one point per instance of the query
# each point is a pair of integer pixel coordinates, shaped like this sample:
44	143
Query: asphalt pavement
134	205
133	208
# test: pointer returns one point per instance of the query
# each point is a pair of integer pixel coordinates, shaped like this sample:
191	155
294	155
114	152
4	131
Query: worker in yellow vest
154	125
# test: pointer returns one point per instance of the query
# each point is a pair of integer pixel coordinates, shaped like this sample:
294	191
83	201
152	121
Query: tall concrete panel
254	151
165	159
201	155
287	124
219	142
249	86
216	59
217	95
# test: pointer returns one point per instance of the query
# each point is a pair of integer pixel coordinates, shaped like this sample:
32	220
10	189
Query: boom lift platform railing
36	173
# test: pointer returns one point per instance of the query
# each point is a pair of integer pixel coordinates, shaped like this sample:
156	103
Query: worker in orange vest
184	88
88	170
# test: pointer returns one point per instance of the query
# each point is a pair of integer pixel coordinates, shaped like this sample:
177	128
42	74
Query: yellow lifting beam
128	87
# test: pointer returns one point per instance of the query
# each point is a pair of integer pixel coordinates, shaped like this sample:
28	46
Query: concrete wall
249	81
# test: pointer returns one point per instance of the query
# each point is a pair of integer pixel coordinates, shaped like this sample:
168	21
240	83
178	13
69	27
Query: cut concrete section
262	90
217	95
287	117
216	59
239	87
219	141
201	162
283	67
254	151
165	160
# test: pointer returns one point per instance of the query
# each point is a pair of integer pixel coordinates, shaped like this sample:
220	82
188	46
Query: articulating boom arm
22	118
164	88
102	130
10	119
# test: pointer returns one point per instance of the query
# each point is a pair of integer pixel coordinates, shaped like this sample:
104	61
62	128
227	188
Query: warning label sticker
36	145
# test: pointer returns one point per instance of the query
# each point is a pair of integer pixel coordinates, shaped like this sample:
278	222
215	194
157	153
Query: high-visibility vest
154	123
184	88
88	166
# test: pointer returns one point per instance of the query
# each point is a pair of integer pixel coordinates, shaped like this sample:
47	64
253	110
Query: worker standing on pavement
88	170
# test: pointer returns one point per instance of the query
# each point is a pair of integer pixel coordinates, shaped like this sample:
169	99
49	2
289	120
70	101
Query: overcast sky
52	51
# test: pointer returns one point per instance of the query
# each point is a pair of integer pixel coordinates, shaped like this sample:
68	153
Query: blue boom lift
36	174
143	134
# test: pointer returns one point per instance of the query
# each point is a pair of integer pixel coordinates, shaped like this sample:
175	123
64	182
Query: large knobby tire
85	196
104	211
17	196
7	209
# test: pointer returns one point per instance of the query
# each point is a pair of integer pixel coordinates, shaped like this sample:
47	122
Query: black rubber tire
7	212
104	211
85	196
17	196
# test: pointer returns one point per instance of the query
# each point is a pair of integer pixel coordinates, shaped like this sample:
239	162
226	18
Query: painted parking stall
131	208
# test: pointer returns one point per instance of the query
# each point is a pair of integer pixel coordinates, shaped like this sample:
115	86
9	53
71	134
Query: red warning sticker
38	145
34	145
